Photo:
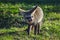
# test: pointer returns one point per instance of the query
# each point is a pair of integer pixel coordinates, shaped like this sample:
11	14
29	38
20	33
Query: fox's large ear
22	11
32	11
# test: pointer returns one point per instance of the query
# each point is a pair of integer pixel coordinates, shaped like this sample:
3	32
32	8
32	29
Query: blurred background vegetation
12	27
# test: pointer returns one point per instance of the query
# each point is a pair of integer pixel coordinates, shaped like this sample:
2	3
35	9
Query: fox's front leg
29	29
35	29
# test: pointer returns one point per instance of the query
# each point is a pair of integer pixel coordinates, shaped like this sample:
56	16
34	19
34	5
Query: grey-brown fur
34	18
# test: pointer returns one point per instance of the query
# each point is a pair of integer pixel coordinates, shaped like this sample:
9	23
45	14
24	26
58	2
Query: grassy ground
50	29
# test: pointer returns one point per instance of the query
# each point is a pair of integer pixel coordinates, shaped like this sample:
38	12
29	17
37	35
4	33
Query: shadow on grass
7	20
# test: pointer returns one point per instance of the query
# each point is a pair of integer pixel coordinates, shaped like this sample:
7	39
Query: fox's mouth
30	22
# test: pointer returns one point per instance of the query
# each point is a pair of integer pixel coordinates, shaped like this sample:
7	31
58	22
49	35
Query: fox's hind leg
38	28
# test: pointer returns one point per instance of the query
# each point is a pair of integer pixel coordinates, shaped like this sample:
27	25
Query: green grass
50	29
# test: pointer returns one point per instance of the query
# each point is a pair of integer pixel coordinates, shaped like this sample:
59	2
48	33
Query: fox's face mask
28	15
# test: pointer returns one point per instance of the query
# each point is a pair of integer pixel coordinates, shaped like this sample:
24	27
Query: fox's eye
31	16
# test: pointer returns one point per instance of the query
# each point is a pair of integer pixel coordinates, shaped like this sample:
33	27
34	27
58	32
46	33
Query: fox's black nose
30	20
